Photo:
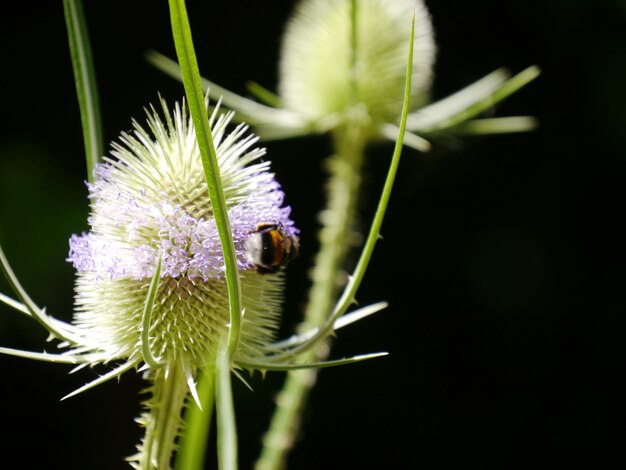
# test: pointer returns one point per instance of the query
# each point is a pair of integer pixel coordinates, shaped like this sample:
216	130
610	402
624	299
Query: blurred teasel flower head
332	60
343	63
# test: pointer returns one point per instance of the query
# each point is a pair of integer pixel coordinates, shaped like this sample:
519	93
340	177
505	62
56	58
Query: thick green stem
335	239
163	418
226	425
192	445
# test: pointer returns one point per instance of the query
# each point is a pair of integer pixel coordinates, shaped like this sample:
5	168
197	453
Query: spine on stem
162	419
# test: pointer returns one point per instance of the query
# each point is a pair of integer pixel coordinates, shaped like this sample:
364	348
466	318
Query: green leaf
46	357
341	322
56	327
85	78
263	94
260	365
183	41
501	125
470	101
146	319
430	115
104	378
181	32
14	304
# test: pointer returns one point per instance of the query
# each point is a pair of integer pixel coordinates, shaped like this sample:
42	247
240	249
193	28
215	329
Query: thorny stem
163	418
335	236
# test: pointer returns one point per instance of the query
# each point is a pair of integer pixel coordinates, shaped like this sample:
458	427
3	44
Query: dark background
502	256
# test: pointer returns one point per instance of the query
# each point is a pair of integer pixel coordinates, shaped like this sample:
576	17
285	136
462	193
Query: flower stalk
193	441
343	190
226	426
162	420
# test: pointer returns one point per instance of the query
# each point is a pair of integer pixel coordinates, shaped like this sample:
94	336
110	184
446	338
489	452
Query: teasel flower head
150	202
326	67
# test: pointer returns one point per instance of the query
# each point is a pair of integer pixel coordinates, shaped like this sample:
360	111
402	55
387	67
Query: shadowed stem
163	419
335	235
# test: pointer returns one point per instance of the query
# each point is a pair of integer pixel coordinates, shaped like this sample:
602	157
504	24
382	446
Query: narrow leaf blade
259	365
85	78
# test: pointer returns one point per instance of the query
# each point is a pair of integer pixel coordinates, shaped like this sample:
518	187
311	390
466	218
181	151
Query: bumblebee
269	247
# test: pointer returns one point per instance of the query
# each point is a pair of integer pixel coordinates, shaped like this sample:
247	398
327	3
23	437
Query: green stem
338	220
163	419
192	449
226	425
335	235
354	85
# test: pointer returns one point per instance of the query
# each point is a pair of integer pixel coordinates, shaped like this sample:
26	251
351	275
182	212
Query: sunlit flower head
151	201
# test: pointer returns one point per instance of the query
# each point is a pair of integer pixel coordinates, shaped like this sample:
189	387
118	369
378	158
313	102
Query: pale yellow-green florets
322	74
151	202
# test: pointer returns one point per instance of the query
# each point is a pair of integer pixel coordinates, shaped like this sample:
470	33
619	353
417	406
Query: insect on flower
152	219
270	247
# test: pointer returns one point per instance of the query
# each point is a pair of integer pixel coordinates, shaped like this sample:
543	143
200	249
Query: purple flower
150	201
